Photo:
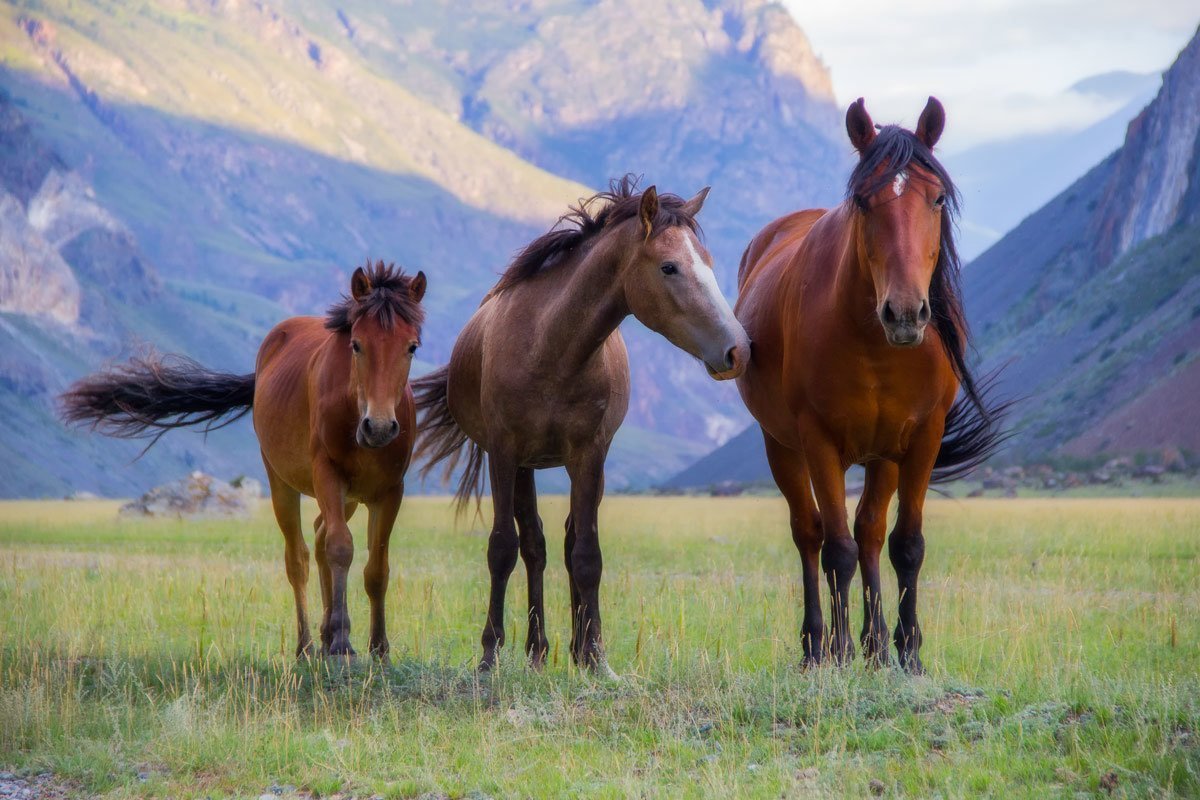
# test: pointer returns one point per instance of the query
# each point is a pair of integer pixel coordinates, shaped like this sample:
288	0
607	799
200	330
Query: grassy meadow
155	659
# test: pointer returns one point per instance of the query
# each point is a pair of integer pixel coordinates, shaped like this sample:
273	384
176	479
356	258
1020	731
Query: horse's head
900	194
670	286
383	319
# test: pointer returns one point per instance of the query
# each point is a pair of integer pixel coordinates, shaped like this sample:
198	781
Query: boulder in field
198	496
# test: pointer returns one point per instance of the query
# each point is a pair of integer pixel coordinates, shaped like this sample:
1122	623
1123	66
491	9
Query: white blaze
705	276
898	183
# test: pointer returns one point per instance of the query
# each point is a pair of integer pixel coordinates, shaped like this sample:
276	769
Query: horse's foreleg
375	575
324	575
286	503
533	553
587	489
791	475
501	554
906	545
839	553
870	529
337	552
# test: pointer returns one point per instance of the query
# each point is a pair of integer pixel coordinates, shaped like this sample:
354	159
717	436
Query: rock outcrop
34	278
198	496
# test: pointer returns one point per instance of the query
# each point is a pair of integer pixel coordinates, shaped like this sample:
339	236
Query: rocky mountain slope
1091	305
253	153
1094	301
75	289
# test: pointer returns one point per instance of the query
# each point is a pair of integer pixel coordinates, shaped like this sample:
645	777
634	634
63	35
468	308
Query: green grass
153	659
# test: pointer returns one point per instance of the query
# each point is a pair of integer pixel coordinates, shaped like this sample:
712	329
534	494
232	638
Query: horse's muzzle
904	326
377	432
734	365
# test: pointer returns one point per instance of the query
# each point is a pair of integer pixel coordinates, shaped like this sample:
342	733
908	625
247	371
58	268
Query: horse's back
281	403
785	233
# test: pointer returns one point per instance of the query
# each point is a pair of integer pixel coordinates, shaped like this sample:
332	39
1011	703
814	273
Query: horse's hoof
341	648
911	663
487	663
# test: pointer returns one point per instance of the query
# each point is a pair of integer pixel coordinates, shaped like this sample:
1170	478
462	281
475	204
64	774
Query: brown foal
335	420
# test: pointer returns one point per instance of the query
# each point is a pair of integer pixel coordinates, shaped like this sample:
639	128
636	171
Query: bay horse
539	377
335	420
860	348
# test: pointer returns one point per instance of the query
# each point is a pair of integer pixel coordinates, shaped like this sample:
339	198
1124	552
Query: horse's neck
586	307
853	288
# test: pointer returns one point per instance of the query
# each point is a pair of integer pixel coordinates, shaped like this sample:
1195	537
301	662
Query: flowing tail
441	440
974	431
149	396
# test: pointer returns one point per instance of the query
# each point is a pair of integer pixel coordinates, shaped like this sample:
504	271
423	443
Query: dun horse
335	420
859	350
539	377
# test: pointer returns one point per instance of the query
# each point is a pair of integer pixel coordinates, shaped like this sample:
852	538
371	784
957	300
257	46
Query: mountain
75	289
251	154
1091	305
1093	302
1002	182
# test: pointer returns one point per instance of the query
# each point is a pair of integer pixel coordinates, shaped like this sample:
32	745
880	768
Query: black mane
389	298
895	150
621	202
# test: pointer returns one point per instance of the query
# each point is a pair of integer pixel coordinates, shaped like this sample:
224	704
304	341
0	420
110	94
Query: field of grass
155	659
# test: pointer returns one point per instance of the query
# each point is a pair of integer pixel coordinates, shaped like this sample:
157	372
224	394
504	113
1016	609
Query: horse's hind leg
375	574
501	554
533	553
286	503
568	548
791	475
870	529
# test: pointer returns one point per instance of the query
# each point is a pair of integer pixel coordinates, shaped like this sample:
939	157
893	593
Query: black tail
442	440
149	396
974	431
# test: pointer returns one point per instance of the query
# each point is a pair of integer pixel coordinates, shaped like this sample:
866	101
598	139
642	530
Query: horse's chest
872	413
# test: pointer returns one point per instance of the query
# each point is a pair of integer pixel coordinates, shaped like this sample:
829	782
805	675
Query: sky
1001	67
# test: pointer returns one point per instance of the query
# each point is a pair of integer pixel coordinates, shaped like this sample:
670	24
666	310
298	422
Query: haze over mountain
224	165
1092	303
1006	180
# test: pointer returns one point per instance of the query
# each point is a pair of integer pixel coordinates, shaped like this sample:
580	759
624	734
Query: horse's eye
941	201
861	202
412	348
355	346
670	268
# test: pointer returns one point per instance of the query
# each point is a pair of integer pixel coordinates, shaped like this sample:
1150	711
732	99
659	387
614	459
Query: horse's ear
649	209
360	284
692	207
416	287
932	123
859	125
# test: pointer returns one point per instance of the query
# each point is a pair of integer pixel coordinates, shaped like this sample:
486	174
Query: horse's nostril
366	426
394	428
923	314
889	316
731	357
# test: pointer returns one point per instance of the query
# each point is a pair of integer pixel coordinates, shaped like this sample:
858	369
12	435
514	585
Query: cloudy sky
1001	67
